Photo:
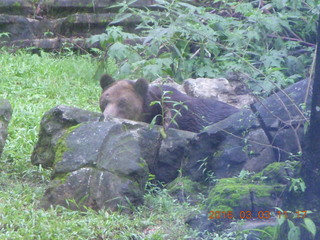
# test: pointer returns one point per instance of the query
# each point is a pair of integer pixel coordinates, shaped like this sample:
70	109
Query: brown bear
136	100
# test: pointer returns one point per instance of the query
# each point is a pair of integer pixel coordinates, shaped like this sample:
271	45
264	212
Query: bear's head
123	99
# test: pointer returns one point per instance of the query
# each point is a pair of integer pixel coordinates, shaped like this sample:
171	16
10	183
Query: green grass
20	218
34	84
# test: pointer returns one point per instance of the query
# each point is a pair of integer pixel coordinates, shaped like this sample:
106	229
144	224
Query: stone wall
53	24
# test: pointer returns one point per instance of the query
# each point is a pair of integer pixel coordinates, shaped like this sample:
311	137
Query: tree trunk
311	164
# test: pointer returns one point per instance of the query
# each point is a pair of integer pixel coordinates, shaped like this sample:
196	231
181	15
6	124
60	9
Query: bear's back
194	113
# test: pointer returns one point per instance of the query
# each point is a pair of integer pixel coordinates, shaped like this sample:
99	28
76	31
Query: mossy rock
184	189
237	195
61	146
278	172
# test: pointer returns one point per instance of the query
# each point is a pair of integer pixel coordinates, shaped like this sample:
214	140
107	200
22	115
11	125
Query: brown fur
131	100
123	99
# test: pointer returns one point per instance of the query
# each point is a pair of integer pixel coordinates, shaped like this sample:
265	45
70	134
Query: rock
119	153
98	165
245	199
16	7
283	119
225	148
252	197
51	24
86	5
19	27
202	224
220	89
246	142
172	154
53	125
5	116
185	190
279	172
73	142
255	193
168	82
257	229
207	88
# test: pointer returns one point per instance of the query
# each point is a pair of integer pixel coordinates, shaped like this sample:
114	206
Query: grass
20	218
34	84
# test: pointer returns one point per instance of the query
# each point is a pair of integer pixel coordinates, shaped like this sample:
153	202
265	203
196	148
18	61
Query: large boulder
234	93
256	194
53	125
5	116
225	148
283	116
99	165
272	130
103	164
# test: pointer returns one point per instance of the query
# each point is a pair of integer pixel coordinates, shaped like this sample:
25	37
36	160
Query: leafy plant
294	232
167	106
245	174
209	174
297	185
270	42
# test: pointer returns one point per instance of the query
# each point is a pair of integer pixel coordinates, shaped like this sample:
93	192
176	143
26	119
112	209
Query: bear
162	105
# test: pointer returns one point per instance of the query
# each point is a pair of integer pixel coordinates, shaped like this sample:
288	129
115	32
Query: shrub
271	43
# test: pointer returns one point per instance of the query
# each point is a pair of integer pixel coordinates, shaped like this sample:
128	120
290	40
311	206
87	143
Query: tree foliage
269	41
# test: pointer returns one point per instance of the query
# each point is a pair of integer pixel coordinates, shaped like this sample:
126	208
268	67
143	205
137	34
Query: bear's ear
141	86
106	80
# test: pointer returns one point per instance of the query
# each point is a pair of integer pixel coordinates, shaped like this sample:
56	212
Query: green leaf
154	103
152	70
294	233
101	38
124	70
310	226
121	18
153	122
291	224
306	127
163	133
177	112
119	51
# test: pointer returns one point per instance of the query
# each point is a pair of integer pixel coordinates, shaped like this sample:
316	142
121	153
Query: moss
269	172
186	185
60	178
72	19
278	172
237	193
222	208
226	193
274	167
61	146
16	4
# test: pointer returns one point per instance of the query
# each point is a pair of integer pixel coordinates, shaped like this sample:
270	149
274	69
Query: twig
294	40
